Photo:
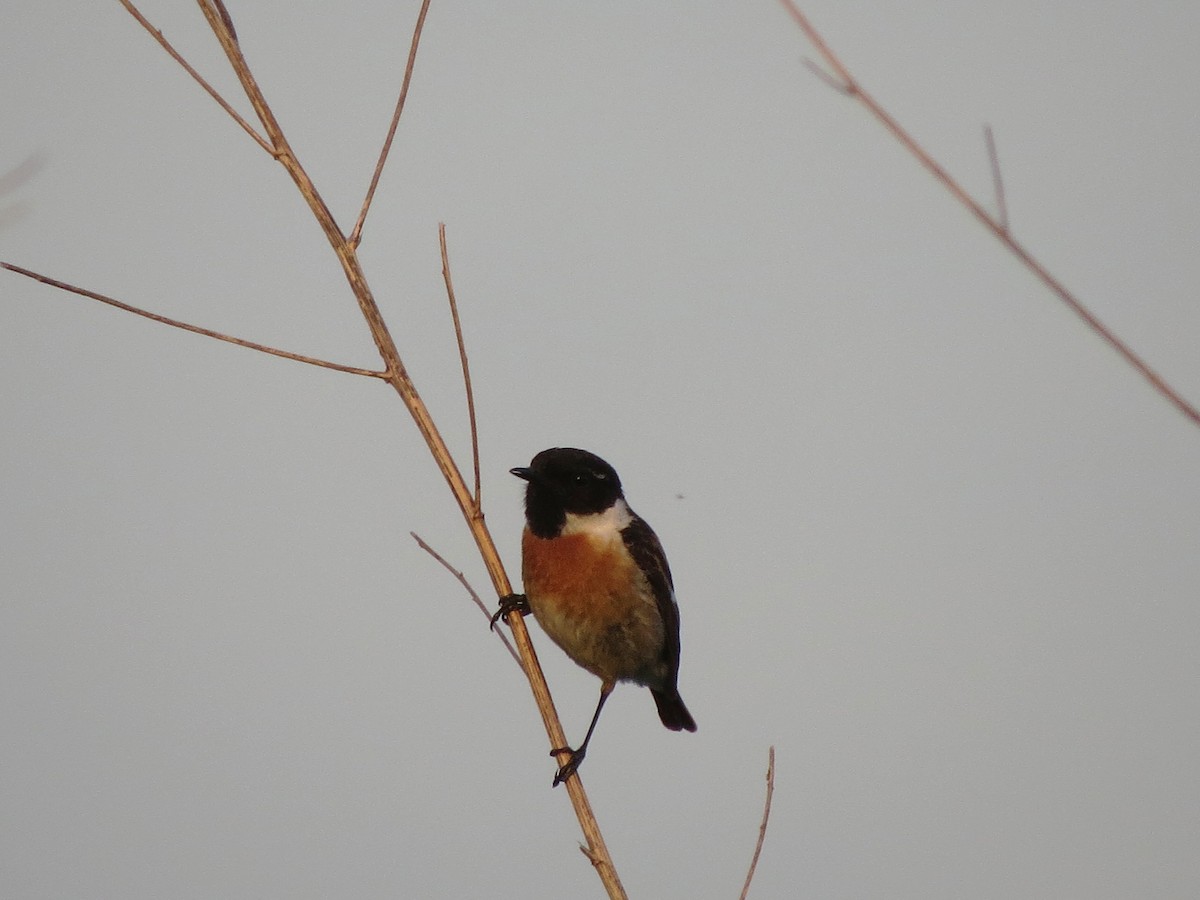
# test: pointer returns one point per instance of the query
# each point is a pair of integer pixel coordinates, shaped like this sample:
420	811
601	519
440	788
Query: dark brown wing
647	552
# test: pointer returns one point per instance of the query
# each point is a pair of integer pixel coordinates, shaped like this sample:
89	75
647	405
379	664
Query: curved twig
851	86
762	828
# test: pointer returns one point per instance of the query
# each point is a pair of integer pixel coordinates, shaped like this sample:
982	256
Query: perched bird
598	582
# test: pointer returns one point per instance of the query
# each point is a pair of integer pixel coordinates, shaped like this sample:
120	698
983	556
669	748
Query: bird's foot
567	769
511	603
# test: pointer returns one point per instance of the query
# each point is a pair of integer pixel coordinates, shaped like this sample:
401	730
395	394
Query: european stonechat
598	582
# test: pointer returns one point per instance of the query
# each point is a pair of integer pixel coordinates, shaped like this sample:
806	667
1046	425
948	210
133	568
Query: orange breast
591	599
579	574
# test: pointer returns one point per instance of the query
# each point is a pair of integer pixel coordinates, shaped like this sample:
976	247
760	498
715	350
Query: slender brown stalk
851	86
462	579
195	329
462	356
762	828
356	234
197	77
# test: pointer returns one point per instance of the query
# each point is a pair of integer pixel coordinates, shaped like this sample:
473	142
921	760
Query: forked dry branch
840	79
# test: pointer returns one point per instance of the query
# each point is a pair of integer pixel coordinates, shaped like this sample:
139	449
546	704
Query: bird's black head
565	480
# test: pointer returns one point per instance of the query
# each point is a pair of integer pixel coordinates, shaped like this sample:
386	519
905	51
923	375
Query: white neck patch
602	524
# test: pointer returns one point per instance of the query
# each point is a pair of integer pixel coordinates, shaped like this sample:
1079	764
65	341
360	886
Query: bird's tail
672	711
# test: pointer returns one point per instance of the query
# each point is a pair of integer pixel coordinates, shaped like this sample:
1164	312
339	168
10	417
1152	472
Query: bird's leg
511	603
567	769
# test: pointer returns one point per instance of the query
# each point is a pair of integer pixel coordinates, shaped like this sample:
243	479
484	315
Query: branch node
196	76
592	857
841	86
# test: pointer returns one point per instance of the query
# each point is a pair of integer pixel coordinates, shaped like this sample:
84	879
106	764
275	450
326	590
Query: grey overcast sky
931	538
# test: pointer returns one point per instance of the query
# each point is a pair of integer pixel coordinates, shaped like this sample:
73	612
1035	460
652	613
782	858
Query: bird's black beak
522	472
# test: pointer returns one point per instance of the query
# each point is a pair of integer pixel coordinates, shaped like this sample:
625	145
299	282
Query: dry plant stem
462	356
462	579
762	828
849	85
398	377
195	329
199	79
356	234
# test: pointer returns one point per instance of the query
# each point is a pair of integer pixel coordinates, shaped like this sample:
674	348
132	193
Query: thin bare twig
762	828
356	234
997	178
462	579
199	79
854	88
195	329
462	356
